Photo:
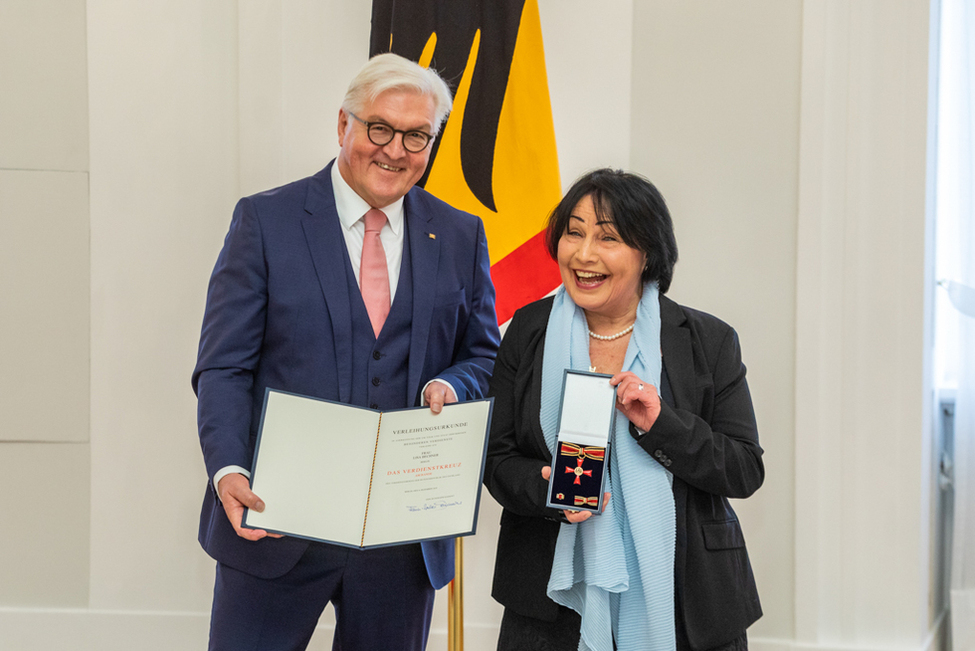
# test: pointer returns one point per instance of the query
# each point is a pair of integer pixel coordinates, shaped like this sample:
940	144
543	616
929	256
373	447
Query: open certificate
358	477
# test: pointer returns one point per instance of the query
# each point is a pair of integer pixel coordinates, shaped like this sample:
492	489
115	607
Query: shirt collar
351	207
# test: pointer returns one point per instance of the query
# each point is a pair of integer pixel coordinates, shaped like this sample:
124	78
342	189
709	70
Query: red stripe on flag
526	274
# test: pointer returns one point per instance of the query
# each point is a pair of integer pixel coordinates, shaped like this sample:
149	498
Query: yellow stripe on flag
526	176
427	55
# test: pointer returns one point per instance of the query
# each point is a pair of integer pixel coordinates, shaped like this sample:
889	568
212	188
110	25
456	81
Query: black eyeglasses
381	134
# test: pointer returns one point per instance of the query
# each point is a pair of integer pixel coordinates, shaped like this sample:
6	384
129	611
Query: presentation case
580	467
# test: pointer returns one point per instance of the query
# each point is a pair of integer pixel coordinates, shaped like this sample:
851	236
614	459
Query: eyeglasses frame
403	133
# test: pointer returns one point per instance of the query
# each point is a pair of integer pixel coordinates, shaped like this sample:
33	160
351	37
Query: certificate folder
362	478
580	465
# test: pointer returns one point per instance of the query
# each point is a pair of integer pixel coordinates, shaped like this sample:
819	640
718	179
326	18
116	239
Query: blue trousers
382	599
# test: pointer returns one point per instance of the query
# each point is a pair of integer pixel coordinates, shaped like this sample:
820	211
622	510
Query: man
350	285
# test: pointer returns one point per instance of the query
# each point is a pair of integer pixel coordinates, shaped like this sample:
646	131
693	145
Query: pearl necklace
611	337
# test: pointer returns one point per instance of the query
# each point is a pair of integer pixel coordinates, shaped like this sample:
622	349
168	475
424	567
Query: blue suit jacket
278	315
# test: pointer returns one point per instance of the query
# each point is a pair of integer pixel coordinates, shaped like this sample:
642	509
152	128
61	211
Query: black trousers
521	633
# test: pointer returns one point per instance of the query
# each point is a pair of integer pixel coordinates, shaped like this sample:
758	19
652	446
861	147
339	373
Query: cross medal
578	471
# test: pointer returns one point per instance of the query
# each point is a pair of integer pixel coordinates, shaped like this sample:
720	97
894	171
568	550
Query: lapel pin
432	236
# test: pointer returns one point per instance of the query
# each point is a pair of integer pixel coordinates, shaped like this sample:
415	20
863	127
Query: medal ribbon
572	450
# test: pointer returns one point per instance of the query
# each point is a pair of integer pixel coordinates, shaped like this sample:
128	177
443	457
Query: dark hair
637	210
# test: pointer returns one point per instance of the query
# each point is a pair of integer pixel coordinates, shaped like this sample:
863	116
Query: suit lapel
326	244
425	262
678	355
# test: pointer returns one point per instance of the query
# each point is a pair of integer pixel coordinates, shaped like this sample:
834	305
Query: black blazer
705	435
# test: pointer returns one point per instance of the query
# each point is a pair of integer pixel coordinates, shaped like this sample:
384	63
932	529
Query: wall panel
44	547
44	264
163	86
44	103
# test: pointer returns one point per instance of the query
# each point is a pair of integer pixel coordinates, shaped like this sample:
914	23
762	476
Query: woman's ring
640	388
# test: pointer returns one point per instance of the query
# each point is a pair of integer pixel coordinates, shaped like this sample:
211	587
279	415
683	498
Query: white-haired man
355	286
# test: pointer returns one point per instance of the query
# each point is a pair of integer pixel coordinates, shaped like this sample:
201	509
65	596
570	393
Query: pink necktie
373	272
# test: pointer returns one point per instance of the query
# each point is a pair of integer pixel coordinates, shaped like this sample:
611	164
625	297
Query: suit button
373	406
376	381
668	462
658	454
376	355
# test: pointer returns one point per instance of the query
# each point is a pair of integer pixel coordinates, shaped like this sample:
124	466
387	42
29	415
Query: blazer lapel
326	244
425	261
678	355
534	399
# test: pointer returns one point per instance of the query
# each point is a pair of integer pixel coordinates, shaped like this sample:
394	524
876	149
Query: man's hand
438	394
235	494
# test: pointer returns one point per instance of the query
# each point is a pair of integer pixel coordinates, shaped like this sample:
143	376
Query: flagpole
455	608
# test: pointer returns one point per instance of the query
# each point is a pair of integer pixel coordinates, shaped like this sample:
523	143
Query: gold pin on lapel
432	236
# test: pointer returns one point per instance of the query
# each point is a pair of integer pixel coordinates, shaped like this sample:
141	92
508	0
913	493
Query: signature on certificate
433	505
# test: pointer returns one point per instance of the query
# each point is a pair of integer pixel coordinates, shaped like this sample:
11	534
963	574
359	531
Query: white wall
162	96
863	394
44	319
715	125
787	136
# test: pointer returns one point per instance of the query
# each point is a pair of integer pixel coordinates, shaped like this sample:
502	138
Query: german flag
496	156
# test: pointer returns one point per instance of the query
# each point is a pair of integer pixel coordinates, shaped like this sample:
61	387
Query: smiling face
381	175
600	272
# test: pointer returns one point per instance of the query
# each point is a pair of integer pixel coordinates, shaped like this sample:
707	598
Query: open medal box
581	462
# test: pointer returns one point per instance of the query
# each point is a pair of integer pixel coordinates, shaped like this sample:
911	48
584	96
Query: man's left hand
438	394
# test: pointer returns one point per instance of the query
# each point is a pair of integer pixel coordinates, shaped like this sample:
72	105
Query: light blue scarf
617	569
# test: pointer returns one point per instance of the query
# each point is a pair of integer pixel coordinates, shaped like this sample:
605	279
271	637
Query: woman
664	566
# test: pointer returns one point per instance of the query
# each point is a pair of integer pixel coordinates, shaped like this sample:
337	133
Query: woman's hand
636	399
574	516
